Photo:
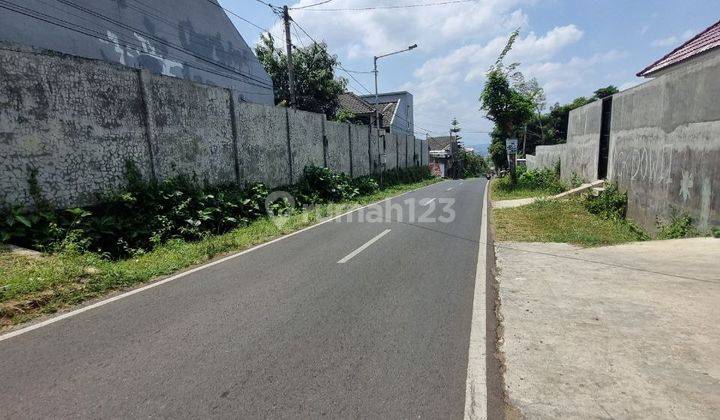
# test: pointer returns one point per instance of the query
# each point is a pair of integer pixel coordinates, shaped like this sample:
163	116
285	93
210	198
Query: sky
572	47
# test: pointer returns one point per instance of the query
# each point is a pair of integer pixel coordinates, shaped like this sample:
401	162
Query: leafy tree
316	88
509	101
606	91
473	165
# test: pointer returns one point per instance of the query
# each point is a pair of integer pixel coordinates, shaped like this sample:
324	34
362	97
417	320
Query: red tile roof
703	42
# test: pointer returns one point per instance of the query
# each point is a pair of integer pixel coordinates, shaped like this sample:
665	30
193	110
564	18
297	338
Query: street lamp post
377	101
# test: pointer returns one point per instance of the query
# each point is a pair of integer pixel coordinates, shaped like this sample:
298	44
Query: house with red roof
702	46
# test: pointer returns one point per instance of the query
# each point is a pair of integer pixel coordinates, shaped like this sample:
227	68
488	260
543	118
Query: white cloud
367	33
673	40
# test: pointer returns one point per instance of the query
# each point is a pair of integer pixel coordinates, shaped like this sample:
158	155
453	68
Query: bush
679	226
146	214
609	204
544	180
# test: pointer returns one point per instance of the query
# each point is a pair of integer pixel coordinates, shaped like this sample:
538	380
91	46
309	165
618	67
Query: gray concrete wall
306	141
391	150
665	145
189	39
338	146
76	122
263	144
375	147
546	157
191	130
581	152
360	156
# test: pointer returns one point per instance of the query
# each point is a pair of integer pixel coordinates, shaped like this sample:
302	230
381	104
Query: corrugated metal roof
703	42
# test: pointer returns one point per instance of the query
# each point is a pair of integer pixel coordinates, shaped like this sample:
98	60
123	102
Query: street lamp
377	111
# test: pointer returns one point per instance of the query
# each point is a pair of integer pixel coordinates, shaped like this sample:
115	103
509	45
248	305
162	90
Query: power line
338	65
94	34
310	5
240	17
261	83
399	6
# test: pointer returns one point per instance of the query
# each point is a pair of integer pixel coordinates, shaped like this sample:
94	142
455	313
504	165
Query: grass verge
499	190
30	287
561	221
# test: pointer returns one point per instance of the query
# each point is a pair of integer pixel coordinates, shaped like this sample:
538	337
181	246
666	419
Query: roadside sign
511	146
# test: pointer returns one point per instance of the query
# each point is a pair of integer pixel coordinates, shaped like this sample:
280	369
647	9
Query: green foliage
680	225
344	116
715	232
472	165
609	204
316	88
146	214
529	184
606	91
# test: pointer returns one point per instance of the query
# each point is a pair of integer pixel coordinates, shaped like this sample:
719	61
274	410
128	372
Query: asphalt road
283	331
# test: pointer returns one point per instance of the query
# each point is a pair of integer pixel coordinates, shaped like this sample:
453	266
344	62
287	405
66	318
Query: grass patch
30	287
534	183
566	221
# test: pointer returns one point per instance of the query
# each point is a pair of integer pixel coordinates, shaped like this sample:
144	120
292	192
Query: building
443	153
658	141
396	109
702	47
363	112
189	39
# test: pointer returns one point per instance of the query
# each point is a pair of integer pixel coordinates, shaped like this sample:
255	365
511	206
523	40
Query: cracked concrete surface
627	331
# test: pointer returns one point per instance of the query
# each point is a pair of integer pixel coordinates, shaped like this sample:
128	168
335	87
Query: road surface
346	319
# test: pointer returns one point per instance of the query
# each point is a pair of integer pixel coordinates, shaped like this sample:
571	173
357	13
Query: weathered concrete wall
73	122
191	130
360	155
391	150
665	145
424	153
402	150
338	146
306	140
375	148
581	152
546	157
77	122
263	154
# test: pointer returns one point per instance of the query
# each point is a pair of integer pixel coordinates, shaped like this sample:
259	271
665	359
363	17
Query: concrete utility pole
288	48
377	111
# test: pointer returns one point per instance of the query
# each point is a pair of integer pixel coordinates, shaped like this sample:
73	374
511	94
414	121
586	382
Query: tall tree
606	91
316	87
508	101
455	128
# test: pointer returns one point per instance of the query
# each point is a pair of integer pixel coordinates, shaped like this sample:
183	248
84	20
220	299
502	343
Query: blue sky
571	46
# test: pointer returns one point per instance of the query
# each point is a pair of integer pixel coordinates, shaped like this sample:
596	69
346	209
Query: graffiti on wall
646	164
147	54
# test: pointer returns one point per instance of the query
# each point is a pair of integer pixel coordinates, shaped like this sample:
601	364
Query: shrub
146	214
609	204
715	232
679	226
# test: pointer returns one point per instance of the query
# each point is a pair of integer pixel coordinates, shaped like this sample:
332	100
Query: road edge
476	397
33	325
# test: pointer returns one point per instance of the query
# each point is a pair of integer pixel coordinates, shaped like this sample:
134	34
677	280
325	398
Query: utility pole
288	48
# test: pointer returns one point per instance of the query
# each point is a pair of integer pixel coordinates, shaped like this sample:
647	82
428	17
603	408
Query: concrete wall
306	141
360	150
75	123
375	146
665	144
338	151
391	150
188	39
191	130
580	154
546	157
263	153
